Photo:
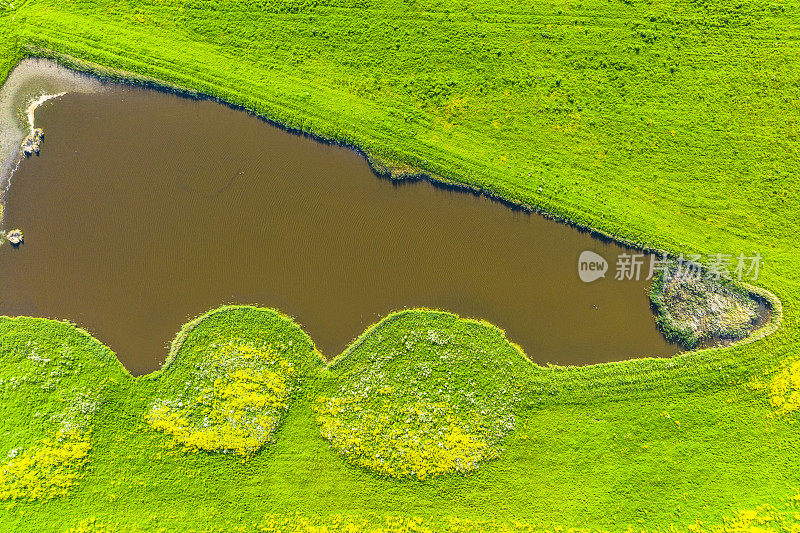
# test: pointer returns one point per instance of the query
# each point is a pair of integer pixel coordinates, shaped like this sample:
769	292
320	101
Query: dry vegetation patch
699	310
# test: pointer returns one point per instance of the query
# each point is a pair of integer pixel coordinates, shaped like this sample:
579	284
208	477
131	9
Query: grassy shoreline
389	170
110	75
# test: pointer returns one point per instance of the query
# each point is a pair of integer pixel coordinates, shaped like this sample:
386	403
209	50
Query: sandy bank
32	83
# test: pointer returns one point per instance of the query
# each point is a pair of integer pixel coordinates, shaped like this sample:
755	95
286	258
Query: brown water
145	209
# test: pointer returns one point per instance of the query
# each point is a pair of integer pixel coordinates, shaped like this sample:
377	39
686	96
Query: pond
145	209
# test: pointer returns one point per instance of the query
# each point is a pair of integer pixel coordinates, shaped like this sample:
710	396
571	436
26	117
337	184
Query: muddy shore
31	84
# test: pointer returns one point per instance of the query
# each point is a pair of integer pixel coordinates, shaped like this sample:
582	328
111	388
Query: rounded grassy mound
49	399
231	378
423	394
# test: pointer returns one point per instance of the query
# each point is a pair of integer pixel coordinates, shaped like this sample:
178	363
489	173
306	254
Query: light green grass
424	402
672	124
657	458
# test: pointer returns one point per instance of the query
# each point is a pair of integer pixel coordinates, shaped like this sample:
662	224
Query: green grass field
668	123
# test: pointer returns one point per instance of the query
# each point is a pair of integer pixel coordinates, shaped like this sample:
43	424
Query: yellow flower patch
47	470
428	405
785	389
236	400
421	440
44	455
297	523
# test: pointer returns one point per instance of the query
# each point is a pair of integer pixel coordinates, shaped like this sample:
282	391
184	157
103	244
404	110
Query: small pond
145	209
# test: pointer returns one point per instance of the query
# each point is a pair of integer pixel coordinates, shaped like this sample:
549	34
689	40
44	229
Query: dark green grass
667	123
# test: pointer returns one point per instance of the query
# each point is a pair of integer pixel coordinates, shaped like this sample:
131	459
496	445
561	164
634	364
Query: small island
15	237
33	142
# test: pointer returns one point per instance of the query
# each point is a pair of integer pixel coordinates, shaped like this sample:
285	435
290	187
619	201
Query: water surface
145	209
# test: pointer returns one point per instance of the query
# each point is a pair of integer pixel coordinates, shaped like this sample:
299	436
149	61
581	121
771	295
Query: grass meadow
668	123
